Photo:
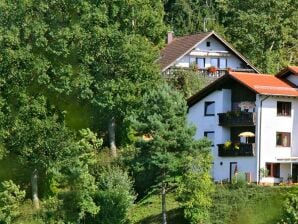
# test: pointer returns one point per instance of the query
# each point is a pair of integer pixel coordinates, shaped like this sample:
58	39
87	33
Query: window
283	139
283	108
201	62
210	135
209	108
273	169
214	62
208	44
222	63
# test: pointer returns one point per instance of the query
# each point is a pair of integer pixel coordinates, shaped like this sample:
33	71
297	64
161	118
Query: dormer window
208	44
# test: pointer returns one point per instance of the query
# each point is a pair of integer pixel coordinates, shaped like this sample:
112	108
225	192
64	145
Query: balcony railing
233	150
236	118
206	72
201	71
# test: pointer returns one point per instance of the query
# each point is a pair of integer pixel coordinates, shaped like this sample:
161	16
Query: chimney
170	37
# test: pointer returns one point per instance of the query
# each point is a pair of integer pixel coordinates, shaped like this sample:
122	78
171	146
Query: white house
264	107
202	51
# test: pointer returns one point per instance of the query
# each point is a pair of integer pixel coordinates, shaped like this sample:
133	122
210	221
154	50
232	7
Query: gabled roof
181	46
287	71
262	84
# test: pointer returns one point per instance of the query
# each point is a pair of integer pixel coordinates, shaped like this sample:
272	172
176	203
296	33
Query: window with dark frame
200	62
210	136
208	44
214	62
273	169
283	139
209	108
283	108
222	63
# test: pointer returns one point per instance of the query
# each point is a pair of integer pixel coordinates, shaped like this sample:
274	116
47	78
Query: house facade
252	121
206	52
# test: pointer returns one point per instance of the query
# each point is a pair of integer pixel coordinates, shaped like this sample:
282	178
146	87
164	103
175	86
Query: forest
88	125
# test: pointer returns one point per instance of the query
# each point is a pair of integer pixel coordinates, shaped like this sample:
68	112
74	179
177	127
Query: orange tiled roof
294	69
265	84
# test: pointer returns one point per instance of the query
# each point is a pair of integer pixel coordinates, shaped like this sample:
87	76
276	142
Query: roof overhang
186	52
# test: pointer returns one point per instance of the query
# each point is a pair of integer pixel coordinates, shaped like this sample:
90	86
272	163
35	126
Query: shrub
115	196
10	199
291	210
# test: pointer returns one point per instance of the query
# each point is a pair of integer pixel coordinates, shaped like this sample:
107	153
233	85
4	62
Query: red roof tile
294	69
265	84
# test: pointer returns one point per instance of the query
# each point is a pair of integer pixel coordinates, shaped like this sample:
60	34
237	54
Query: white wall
203	123
271	123
244	165
215	46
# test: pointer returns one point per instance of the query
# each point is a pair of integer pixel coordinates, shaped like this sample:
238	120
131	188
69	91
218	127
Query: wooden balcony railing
236	118
234	150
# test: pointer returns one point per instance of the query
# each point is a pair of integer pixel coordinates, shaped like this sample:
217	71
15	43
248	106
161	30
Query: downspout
259	138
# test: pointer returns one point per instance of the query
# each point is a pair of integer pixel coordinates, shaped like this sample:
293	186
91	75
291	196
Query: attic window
208	44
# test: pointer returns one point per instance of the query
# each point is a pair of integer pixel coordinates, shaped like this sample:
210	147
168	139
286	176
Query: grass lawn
148	211
248	205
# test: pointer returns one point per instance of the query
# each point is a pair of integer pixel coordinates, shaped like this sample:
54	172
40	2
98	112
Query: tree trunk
35	198
163	204
112	127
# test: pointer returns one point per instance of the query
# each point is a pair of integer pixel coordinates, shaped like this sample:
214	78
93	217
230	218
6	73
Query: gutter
259	139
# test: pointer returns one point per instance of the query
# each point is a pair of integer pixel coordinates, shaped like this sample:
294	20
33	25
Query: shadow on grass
174	216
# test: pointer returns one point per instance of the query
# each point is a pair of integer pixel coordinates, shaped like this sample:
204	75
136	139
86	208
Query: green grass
148	211
248	205
266	211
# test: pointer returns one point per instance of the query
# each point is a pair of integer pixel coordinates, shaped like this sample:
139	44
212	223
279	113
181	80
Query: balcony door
233	170
201	63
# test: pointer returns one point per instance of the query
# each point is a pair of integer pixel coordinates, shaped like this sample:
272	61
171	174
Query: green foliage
147	210
70	50
266	32
163	157
239	180
291	210
188	16
162	116
187	82
10	199
114	195
74	170
196	186
248	205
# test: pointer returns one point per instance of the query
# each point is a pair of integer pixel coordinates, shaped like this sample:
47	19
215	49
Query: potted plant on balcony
228	145
212	69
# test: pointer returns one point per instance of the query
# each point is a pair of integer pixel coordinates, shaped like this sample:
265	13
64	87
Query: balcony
236	118
200	71
233	149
